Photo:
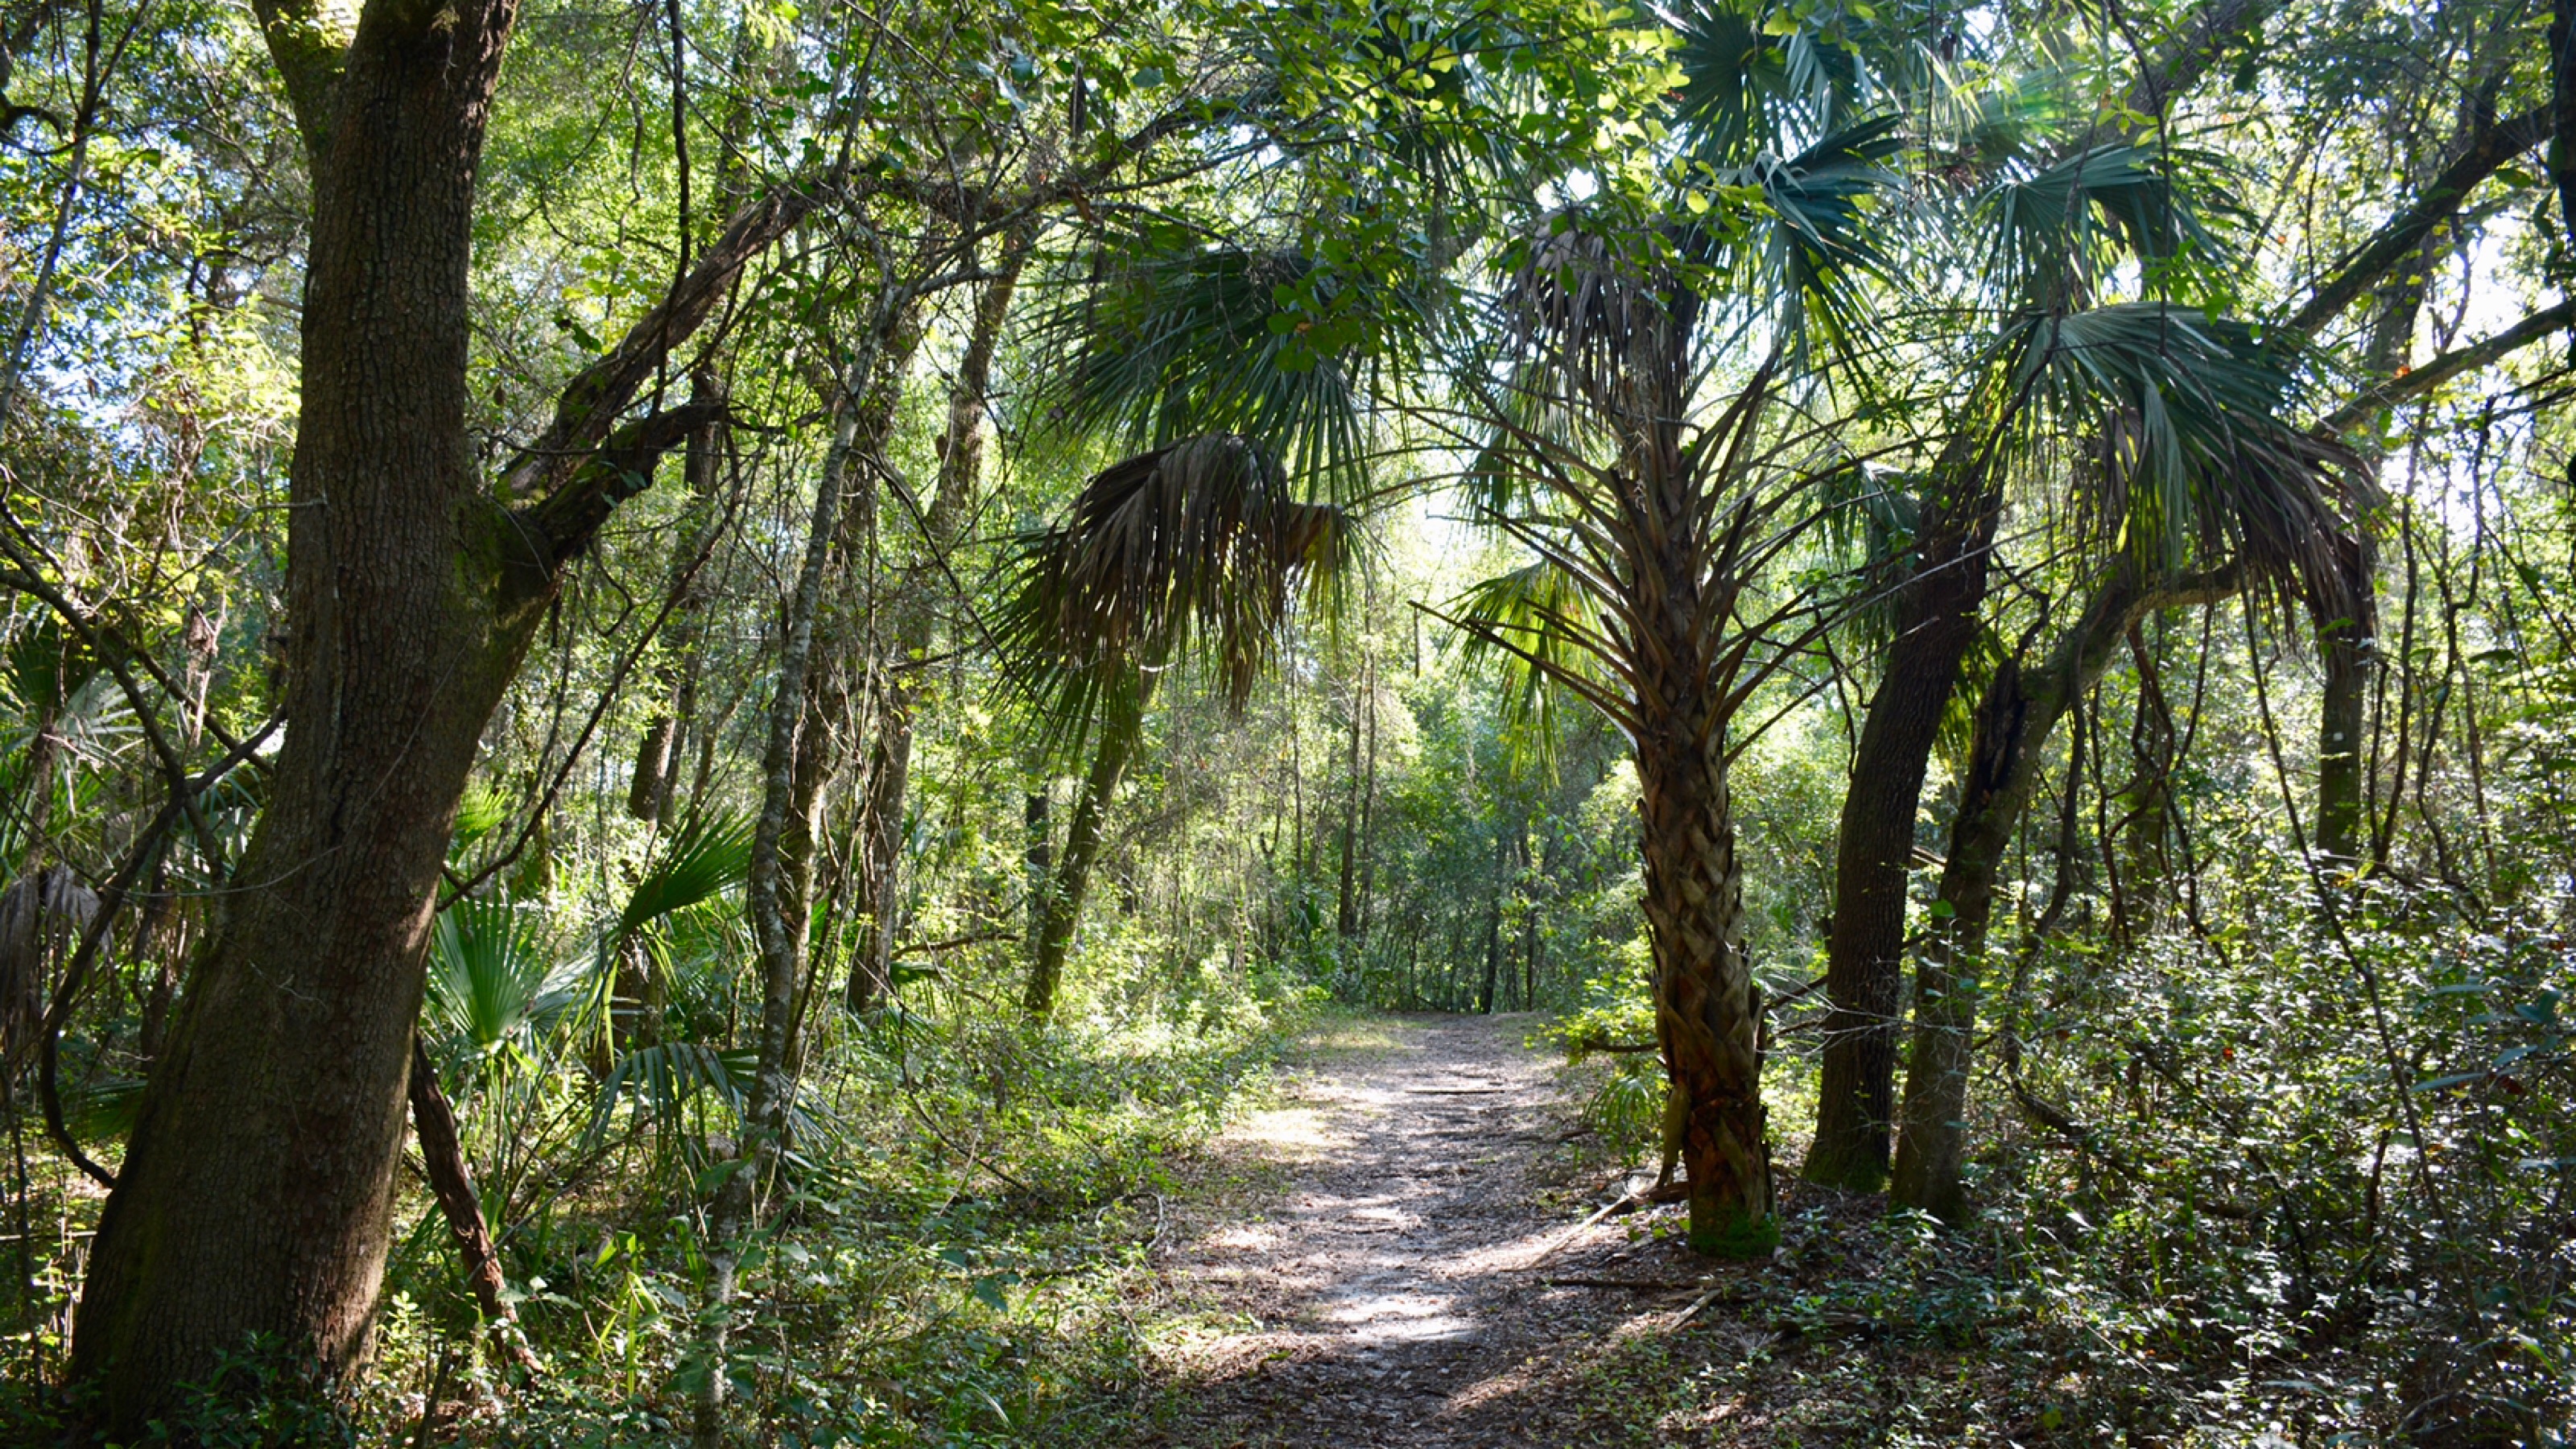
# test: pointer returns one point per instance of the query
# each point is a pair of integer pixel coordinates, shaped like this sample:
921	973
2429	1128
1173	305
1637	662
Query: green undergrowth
958	1260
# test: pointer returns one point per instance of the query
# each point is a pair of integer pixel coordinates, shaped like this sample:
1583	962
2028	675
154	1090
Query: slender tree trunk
1865	950
1039	861
2345	630
1368	808
2019	709
652	791
890	773
1346	911
1122	726
1494	922
452	1183
782	856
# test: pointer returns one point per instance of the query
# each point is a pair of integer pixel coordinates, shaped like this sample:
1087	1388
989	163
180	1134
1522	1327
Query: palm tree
1596	454
1191	553
2038	237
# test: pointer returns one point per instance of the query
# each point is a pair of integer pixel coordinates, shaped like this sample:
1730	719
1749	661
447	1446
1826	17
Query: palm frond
710	854
1527	623
1170	337
491	981
1814	250
2195	456
1598	314
2058	230
1193	551
1756	77
662	1080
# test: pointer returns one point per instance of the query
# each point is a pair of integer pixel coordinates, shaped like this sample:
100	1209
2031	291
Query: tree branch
588	408
309	59
2408	386
2495	143
557	527
2206	37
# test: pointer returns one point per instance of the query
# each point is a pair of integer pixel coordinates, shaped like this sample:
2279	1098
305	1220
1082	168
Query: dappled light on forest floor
1388	1294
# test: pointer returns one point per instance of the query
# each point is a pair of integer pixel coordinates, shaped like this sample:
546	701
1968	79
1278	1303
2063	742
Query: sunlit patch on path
1387	1293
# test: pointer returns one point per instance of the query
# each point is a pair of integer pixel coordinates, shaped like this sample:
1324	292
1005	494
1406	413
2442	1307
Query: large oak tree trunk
1865	950
254	1193
254	1196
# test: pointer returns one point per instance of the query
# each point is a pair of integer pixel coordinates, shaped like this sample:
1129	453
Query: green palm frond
709	855
491	981
1526	623
1755	76
1197	550
2060	229
1171	338
2196	458
1817	246
483	810
662	1080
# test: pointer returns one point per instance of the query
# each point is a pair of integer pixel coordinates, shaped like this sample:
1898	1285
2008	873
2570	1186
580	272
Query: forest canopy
697	698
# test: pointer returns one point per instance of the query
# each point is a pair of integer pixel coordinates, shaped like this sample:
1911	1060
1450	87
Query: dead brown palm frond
1607	315
1193	552
37	914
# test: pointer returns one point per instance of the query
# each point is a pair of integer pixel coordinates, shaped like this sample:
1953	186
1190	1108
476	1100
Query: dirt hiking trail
1405	1269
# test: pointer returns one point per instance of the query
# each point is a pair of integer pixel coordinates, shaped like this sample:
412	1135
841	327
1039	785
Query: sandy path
1388	1297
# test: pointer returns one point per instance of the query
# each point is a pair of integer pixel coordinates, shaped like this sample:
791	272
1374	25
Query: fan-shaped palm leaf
1754	77
709	855
1528	623
491	982
1171	338
1192	550
2058	230
2196	458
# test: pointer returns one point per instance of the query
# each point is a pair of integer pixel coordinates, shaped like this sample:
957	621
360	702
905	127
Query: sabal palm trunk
1708	1010
1707	1007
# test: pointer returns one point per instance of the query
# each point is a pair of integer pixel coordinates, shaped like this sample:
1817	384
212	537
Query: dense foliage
1114	530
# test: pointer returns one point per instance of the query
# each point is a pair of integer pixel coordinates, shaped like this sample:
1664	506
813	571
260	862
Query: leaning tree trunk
2015	716
1059	911
1936	623
254	1195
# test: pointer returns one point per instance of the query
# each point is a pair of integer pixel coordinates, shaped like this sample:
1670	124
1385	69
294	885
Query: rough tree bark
254	1194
